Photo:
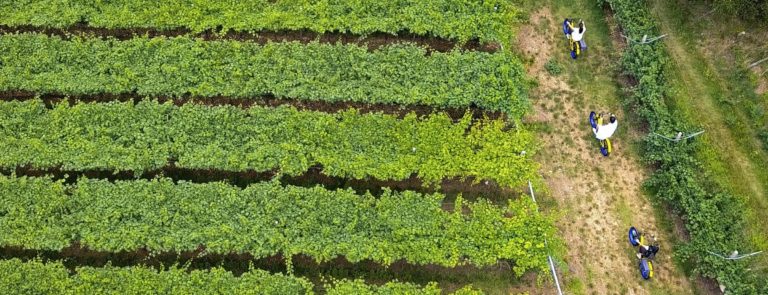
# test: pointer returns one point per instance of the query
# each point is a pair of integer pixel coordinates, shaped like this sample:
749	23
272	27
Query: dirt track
599	197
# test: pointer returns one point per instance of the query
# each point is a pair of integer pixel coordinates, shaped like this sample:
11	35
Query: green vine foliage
35	277
355	287
31	213
123	136
52	277
713	219
460	20
179	67
266	219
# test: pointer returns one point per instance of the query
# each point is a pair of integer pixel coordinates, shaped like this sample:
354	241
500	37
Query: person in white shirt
578	33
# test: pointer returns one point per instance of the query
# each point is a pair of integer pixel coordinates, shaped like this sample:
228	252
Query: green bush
713	219
396	75
488	21
52	277
754	10
267	219
553	67
123	136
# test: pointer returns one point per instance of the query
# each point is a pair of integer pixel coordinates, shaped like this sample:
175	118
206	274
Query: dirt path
599	197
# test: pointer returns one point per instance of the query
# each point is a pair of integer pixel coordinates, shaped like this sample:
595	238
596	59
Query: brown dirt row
312	177
372	41
76	256
266	100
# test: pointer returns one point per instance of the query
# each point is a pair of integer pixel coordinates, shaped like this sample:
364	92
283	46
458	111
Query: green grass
716	94
625	213
553	67
575	286
594	71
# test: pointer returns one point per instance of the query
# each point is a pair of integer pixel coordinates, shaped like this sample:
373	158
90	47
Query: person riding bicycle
576	34
608	129
647	250
603	132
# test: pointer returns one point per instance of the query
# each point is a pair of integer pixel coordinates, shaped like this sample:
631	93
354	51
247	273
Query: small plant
764	138
553	68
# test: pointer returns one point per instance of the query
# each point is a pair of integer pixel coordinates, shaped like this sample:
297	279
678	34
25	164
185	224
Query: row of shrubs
713	218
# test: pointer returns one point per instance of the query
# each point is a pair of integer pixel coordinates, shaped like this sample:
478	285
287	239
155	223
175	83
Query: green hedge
267	219
122	136
359	287
459	20
755	11
714	219
401	74
35	277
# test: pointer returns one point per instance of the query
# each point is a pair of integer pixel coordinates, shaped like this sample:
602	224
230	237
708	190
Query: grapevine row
180	66
372	42
36	277
488	21
123	136
713	219
267	219
347	287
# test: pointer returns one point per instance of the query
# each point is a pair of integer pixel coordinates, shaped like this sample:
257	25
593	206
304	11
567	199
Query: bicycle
595	121
645	264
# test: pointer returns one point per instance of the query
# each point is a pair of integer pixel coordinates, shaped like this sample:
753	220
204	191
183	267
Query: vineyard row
267	219
36	277
488	21
713	218
122	136
450	187
372	42
180	67
265	101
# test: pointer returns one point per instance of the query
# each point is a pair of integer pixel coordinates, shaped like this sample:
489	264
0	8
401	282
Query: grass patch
718	94
575	286
553	67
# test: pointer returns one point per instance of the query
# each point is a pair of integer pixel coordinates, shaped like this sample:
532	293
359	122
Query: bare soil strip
266	100
312	177
303	266
372	41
